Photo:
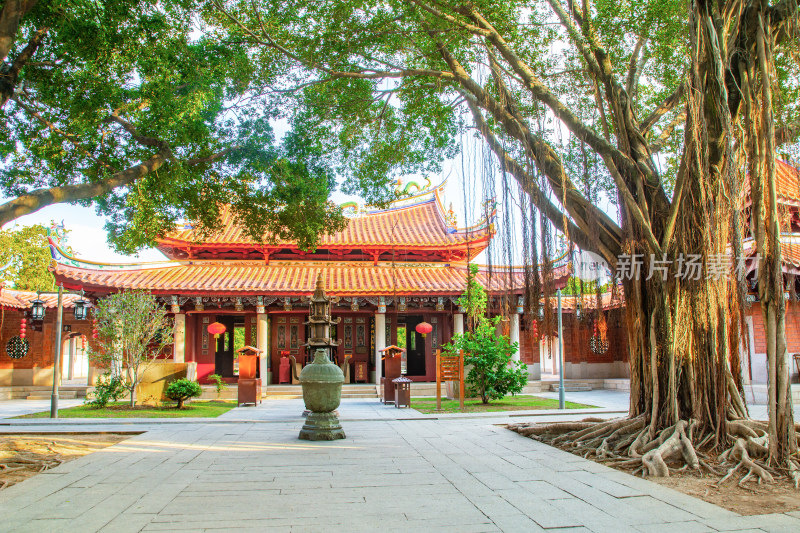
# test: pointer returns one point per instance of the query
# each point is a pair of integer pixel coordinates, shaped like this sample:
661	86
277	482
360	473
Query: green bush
181	390
219	384
493	372
108	388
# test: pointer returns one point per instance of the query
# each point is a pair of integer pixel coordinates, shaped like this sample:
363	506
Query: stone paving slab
392	474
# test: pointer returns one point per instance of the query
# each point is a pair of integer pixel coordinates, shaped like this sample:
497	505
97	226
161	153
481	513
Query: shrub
181	390
219	384
108	388
493	372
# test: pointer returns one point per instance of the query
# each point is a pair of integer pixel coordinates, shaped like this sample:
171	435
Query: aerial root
555	427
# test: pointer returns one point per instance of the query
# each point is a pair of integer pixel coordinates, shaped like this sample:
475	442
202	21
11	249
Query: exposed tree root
672	443
630	444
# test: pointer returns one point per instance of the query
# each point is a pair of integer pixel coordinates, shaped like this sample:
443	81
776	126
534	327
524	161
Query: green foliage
181	390
108	388
493	373
573	287
27	250
133	331
114	83
474	299
389	111
219	384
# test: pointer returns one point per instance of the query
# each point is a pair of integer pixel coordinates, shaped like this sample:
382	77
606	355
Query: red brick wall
528	347
41	342
792	328
576	341
578	333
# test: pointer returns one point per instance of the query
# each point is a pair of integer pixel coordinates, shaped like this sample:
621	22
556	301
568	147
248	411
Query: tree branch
138	137
52	127
663	108
539	91
635	66
780	15
39	198
663	137
366	74
8	79
10	15
605	243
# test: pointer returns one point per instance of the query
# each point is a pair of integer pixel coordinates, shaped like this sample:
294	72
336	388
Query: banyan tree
630	126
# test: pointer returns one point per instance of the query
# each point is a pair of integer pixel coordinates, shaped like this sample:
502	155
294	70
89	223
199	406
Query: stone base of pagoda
322	426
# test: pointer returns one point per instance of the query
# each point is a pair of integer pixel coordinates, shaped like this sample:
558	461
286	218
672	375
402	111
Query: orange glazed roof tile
787	178
10	298
288	278
419	225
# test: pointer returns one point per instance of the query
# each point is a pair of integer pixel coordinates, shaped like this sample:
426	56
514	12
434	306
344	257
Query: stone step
572	387
61	396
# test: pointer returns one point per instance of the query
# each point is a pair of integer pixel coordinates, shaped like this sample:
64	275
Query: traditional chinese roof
589	301
790	254
414	229
10	298
282	278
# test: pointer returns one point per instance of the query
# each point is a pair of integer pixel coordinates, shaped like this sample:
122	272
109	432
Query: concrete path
392	474
12	408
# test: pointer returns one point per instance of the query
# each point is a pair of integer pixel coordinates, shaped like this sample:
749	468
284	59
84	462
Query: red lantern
216	329
83	342
424	328
23	326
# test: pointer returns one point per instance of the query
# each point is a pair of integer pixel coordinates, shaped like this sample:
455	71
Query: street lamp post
57	358
561	401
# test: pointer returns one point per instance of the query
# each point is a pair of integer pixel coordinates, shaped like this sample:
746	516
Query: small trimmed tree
493	373
181	390
133	331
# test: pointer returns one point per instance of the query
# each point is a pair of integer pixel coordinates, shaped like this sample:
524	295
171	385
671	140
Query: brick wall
792	328
41	351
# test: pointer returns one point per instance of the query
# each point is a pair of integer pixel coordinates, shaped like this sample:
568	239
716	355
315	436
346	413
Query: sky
470	179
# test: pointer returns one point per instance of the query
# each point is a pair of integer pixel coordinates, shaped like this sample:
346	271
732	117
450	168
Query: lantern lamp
37	309
424	328
80	308
216	329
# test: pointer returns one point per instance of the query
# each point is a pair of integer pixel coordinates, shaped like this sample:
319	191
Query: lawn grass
200	409
509	403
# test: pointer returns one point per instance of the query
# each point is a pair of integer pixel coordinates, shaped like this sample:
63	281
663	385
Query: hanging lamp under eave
423	328
216	329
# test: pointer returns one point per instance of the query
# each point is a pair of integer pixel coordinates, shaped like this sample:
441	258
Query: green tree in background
27	250
137	108
133	331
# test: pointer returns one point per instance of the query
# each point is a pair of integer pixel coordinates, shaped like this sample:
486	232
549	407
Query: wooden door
288	336
223	355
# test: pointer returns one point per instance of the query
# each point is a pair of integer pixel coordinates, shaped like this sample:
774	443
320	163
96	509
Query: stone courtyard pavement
396	471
